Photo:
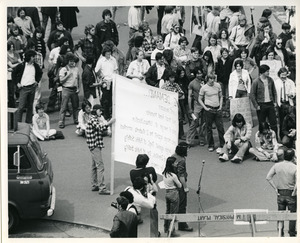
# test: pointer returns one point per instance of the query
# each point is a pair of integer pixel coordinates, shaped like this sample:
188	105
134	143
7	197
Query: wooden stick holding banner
112	158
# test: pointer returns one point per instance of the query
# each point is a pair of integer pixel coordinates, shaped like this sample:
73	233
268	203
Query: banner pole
112	156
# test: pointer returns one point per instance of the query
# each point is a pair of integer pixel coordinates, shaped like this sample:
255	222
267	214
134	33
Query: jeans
289	202
172	205
239	150
182	207
214	116
267	110
225	96
199	122
97	178
11	94
26	100
66	95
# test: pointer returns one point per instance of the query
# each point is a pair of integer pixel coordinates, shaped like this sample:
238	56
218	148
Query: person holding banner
264	97
94	130
211	99
237	139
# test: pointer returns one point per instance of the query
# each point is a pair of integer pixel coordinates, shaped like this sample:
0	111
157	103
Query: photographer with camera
125	222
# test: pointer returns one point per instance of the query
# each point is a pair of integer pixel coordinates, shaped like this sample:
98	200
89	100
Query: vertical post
280	226
112	159
252	222
171	226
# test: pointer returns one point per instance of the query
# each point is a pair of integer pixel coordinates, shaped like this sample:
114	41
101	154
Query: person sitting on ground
41	125
289	129
237	140
125	222
83	117
266	146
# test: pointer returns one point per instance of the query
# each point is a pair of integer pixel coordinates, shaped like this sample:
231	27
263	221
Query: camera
114	204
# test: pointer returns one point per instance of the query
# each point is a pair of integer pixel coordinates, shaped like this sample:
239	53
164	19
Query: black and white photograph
149	121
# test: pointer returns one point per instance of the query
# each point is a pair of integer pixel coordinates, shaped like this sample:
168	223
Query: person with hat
286	187
264	97
125	222
94	138
69	78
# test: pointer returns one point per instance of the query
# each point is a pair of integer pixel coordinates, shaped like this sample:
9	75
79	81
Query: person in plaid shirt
94	131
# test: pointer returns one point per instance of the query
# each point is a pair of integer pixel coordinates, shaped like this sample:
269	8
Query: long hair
238	117
169	166
181	149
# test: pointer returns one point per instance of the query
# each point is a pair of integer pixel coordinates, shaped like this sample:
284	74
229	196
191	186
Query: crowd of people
206	80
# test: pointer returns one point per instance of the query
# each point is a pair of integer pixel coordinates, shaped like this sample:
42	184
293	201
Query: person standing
27	75
46	13
196	110
211	99
264	97
25	23
94	139
180	155
107	29
69	78
286	187
125	222
68	17
172	184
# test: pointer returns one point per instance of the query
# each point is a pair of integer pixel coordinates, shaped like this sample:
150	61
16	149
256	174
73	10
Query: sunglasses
159	41
279	43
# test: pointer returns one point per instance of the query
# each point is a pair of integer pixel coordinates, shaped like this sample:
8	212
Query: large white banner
146	123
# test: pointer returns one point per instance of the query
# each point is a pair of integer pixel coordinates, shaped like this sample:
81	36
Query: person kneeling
237	139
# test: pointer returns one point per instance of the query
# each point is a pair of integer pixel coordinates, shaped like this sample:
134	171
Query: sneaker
189	229
95	188
223	158
104	192
210	149
202	144
61	125
219	150
236	160
174	234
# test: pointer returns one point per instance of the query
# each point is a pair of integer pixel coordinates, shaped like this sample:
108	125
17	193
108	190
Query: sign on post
242	106
146	123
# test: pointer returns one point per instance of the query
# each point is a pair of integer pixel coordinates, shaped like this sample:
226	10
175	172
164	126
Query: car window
24	162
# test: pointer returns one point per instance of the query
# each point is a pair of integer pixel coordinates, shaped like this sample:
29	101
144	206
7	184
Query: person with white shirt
138	68
106	68
173	37
27	76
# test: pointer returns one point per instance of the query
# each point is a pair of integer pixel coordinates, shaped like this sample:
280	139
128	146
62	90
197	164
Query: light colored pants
97	178
199	122
239	149
37	96
41	134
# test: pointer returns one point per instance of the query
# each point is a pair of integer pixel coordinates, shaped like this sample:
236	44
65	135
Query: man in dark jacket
125	222
107	29
46	13
27	76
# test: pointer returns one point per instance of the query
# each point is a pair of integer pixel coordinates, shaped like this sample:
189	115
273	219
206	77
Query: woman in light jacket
239	84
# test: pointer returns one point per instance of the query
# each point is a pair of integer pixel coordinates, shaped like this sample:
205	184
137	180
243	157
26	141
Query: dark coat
223	70
151	75
53	42
88	79
107	31
33	13
19	70
125	225
68	16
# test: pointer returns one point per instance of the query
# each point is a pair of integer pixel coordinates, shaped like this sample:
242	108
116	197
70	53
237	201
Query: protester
209	62
70	79
149	44
237	140
291	49
138	46
33	13
25	23
38	42
264	97
289	130
266	146
27	75
89	46
41	124
225	42
125	222
239	84
18	39
90	82
106	68
13	60
213	21
223	71
94	139
213	47
172	184
160	15
280	50
157	72
285	35
159	48
285	187
211	99
84	116
193	63
107	29
182	53
181	172
138	68
68	17
172	39
196	110
248	63
130	206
